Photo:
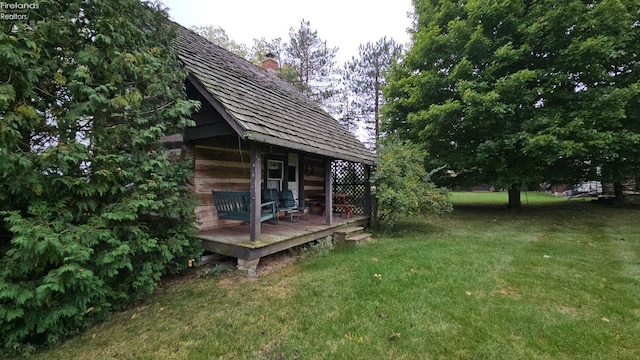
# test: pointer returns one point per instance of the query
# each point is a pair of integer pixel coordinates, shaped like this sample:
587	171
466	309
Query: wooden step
349	230
343	234
359	237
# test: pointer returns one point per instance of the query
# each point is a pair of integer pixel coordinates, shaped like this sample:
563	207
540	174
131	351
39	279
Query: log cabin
255	131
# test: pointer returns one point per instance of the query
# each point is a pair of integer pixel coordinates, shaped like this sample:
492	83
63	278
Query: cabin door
292	174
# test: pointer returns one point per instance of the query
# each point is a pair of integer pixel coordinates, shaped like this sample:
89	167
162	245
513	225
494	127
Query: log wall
220	167
313	170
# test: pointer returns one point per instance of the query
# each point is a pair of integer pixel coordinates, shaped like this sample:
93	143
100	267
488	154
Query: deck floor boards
234	241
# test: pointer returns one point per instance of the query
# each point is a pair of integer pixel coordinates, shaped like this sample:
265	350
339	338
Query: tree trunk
514	197
618	191
376	105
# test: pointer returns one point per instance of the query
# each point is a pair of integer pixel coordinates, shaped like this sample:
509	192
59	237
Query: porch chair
274	196
271	194
289	201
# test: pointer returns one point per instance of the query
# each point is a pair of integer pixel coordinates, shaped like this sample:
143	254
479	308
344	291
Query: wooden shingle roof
261	107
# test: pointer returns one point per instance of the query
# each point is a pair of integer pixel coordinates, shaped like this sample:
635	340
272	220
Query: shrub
93	211
402	186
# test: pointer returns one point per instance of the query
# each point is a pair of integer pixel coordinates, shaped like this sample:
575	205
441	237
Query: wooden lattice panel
353	179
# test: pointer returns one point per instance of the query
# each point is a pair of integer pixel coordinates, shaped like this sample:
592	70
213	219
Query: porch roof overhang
272	140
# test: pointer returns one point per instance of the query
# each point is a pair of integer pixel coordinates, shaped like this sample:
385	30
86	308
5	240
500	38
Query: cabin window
275	174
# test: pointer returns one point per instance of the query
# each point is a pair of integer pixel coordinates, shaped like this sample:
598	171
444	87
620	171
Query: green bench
236	205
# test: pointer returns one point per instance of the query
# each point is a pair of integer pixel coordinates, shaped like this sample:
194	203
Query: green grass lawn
553	281
502	198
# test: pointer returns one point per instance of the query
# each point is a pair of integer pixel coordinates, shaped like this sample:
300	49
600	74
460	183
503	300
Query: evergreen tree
347	107
364	78
92	208
314	63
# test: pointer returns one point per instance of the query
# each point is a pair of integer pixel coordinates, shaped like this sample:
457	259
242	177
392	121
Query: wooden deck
234	241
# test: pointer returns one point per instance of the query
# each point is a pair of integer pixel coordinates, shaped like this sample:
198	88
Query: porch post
256	180
301	196
328	191
367	192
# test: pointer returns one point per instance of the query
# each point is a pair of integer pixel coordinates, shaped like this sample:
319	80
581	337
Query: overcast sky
341	23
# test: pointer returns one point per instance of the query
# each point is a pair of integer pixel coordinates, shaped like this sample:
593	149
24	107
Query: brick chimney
270	63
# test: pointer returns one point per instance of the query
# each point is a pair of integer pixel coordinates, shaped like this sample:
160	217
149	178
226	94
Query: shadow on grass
569	214
415	226
570	211
480	207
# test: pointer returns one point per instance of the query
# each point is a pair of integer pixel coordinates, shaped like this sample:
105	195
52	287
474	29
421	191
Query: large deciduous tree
364	78
92	208
517	92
